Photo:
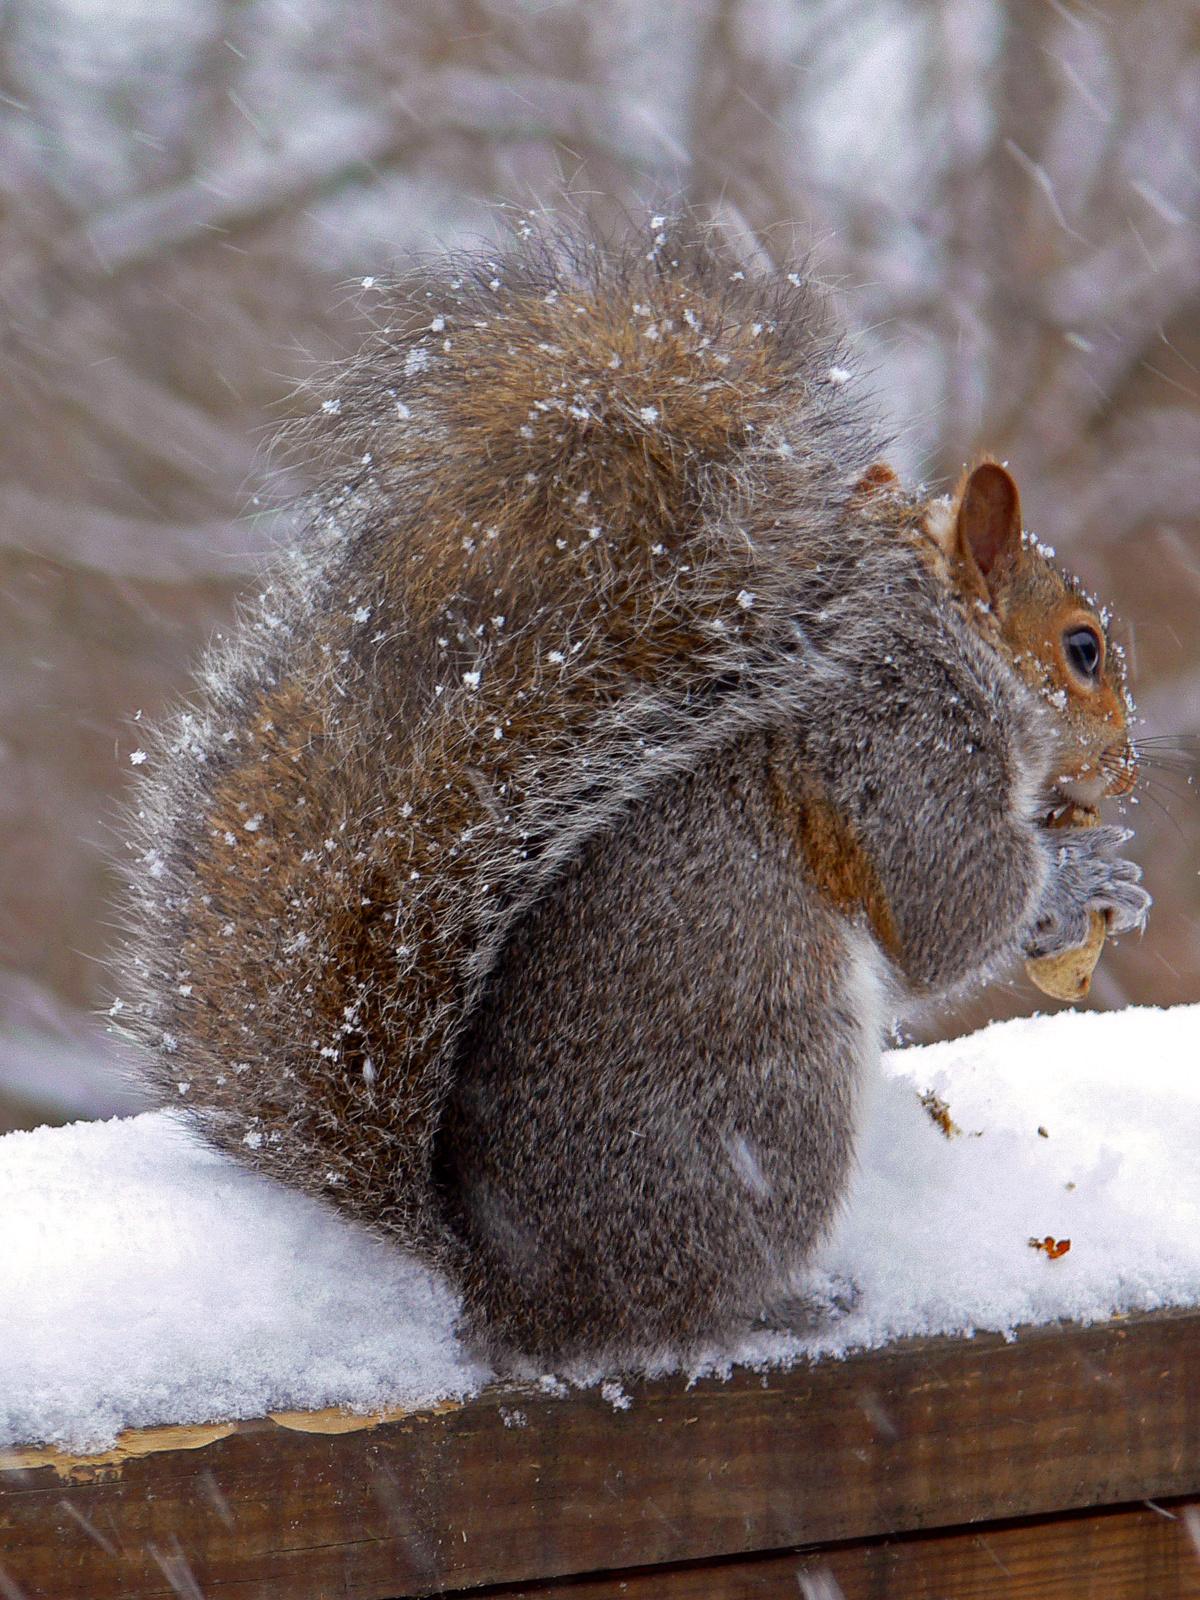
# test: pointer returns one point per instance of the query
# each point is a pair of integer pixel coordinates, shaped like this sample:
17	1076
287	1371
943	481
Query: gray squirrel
618	750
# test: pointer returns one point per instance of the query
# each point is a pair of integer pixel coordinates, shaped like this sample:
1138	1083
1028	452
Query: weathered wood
1115	1555
519	1486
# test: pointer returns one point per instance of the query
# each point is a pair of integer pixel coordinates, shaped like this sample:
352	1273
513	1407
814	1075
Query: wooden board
1125	1554
521	1487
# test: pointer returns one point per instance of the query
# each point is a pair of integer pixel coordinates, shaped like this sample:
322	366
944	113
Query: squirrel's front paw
1086	874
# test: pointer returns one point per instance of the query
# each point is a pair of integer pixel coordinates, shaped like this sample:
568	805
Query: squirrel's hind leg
654	1113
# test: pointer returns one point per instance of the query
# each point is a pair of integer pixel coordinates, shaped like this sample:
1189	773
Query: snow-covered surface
1082	1126
144	1280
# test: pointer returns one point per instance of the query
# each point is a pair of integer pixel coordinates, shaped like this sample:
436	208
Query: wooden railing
1057	1466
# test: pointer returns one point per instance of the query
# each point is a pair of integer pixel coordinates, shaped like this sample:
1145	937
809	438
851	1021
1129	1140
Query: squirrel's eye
1083	652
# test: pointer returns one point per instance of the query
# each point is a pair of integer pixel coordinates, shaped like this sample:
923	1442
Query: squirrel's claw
1086	875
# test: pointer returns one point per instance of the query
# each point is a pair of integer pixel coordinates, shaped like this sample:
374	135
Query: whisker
1173	751
1165	809
1155	771
1184	744
1167	763
1144	791
1181	797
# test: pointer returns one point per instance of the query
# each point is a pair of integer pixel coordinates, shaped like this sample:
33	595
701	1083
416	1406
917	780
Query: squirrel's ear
989	517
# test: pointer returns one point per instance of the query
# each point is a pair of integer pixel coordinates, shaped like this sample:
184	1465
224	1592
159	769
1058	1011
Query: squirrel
618	750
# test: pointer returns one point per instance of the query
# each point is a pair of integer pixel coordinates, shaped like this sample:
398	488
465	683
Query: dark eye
1083	651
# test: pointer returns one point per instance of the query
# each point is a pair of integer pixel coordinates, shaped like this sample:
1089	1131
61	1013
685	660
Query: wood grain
1116	1555
520	1487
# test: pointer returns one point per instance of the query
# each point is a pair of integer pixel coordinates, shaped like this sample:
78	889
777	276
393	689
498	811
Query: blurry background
1005	192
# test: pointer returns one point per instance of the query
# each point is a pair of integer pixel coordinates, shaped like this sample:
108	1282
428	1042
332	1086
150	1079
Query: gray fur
654	1110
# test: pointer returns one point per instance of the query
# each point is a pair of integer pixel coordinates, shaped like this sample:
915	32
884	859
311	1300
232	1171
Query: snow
935	1234
146	1280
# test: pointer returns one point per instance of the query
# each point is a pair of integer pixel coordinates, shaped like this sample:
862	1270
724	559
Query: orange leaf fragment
1052	1246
